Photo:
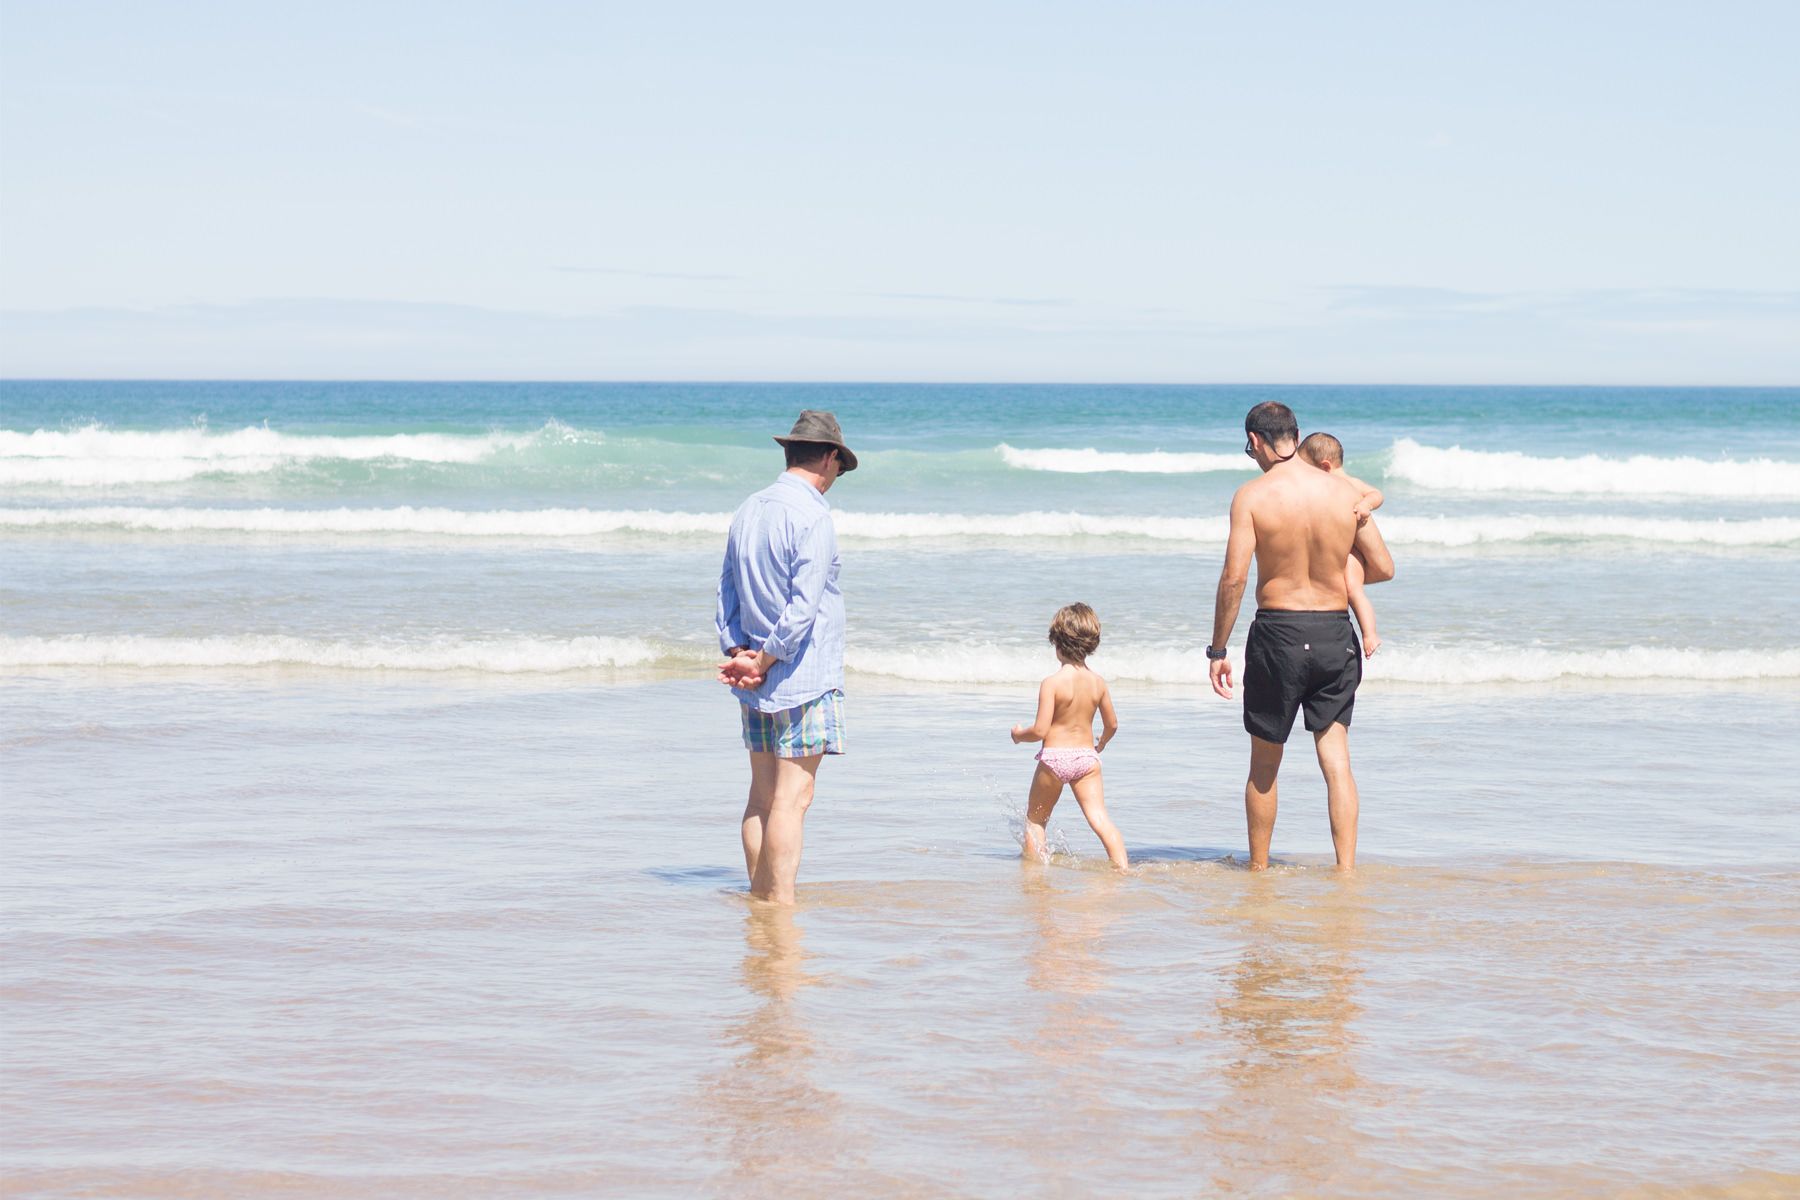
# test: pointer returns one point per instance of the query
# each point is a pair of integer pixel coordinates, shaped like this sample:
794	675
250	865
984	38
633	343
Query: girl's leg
1090	793
1046	790
1359	604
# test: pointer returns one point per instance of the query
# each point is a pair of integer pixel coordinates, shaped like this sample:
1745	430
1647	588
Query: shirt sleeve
726	619
813	557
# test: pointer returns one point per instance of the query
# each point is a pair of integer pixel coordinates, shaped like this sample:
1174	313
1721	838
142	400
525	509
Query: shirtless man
1300	524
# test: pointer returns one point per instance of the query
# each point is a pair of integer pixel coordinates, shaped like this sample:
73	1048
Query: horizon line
674	382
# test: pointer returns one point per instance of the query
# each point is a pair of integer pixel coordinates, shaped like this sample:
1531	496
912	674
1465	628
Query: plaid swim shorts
816	727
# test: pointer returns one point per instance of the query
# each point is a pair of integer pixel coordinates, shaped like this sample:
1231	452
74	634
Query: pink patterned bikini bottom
1069	763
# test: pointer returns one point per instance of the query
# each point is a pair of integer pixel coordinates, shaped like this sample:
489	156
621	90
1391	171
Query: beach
371	812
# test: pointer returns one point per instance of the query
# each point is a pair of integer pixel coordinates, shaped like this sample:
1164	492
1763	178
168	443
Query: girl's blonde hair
1075	632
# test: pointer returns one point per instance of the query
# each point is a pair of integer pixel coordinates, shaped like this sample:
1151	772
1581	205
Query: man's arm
1371	548
811	572
736	670
1240	549
726	618
807	577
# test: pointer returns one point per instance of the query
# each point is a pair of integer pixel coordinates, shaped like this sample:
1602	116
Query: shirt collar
793	480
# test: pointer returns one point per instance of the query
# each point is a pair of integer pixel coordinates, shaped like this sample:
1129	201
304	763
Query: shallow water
321	936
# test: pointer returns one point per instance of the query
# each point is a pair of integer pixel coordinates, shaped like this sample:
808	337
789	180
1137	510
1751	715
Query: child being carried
1327	453
1067	702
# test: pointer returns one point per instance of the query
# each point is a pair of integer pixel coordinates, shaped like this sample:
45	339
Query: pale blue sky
1286	192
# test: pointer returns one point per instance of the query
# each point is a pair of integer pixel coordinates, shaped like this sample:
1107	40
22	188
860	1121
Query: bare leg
1260	799
1046	790
1359	604
1333	745
1037	808
784	829
1090	793
756	809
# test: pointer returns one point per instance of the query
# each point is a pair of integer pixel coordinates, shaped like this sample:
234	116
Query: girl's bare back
1075	695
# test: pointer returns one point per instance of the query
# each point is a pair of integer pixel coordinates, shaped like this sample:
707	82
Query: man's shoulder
1249	490
778	495
1301	479
1279	494
783	509
772	493
795	495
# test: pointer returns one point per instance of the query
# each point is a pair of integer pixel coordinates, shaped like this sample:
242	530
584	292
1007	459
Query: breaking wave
1459	470
498	655
95	456
1424	665
439	522
971	663
1175	531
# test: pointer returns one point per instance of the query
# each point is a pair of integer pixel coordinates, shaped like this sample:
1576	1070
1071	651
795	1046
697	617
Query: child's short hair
1322	448
1075	632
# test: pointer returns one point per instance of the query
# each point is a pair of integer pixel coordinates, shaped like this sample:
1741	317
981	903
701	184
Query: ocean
371	810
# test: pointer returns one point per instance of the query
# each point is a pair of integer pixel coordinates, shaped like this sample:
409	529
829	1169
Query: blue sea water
371	812
1537	528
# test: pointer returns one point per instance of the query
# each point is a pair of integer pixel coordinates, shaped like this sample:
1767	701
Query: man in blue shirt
780	620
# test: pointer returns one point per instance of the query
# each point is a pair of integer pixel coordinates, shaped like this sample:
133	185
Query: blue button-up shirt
778	592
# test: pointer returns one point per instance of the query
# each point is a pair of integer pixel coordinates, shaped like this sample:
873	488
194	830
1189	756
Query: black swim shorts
1295	660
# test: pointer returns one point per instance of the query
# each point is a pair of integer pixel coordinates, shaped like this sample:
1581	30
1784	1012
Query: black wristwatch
1215	653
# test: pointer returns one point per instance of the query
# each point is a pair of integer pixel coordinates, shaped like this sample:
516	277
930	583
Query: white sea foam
114	472
1478	665
1463	666
95	456
496	655
582	522
1486	530
439	522
1460	470
1089	461
968	663
1176	532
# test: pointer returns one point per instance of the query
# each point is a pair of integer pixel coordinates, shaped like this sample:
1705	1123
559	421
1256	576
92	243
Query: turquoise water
1545	533
372	815
683	447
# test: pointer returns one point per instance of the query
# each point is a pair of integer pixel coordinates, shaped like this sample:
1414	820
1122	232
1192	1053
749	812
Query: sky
1430	192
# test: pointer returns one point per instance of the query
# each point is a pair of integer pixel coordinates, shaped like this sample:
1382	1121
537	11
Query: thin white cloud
1004	301
630	274
1600	303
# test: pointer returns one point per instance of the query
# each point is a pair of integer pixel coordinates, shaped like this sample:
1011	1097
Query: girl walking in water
1067	702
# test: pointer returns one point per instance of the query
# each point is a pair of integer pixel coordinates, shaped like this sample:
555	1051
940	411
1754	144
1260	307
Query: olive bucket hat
815	426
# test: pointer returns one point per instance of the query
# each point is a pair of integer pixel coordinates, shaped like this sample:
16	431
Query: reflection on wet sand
1070	912
1289	1003
776	1124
